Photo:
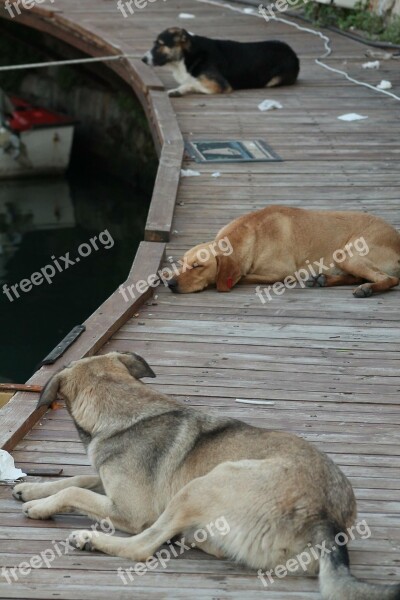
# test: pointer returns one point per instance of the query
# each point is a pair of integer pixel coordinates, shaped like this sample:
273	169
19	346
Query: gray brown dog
168	470
281	244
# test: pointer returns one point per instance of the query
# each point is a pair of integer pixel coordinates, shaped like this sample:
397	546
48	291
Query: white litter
8	472
372	65
352	117
384	85
248	11
186	16
216	174
379	54
268	402
189	173
269	105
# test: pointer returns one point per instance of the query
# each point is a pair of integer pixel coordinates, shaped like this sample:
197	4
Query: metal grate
231	151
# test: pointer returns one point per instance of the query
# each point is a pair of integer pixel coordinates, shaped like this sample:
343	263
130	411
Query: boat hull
43	151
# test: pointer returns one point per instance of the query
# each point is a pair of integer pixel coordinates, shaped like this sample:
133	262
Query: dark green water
45	218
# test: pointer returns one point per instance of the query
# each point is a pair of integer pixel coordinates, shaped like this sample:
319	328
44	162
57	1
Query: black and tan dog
208	66
166	469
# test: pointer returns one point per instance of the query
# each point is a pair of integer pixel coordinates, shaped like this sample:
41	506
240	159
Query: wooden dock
328	363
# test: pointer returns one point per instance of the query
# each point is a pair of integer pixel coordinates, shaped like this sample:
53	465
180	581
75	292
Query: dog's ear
228	273
136	365
49	392
184	36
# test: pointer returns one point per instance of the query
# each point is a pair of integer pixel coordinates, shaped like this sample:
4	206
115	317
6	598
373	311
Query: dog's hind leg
363	268
178	516
206	545
274	82
34	491
203	513
186	512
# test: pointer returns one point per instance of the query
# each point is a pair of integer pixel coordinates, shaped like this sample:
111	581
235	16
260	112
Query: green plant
359	18
392	32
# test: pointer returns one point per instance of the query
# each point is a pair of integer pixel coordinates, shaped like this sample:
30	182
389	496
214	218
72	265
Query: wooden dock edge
19	415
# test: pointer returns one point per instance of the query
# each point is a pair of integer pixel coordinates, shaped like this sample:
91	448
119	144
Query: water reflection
41	219
26	206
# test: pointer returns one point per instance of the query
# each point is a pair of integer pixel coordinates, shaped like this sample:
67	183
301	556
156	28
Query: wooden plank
161	211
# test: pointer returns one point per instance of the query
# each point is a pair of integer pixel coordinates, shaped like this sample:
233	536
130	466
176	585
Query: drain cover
231	151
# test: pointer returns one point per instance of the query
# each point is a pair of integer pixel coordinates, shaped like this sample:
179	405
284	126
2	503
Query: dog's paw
82	540
18	491
175	93
37	509
363	291
28	491
316	281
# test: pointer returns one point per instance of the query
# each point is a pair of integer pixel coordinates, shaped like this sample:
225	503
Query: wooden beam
162	207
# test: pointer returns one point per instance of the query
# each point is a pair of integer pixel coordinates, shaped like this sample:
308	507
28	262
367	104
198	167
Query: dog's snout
148	58
173	285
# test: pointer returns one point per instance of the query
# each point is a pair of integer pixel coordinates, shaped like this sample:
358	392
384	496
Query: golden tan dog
164	469
290	245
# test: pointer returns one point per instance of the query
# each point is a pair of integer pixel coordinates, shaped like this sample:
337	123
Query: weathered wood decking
329	362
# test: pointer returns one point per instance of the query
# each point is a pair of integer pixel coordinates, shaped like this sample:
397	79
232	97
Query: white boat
33	140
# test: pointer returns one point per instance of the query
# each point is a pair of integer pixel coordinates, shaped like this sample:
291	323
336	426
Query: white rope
363	83
61	63
325	38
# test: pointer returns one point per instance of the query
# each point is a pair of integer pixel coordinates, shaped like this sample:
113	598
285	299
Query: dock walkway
328	363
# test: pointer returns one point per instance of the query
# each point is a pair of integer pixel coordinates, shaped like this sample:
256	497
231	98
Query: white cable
325	38
318	61
60	63
363	83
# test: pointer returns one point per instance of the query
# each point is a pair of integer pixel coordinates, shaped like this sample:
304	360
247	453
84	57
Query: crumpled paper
8	472
379	54
189	173
384	85
269	105
372	65
351	117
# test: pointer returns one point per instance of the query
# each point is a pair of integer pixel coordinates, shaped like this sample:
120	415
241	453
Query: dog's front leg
34	491
185	88
269	278
76	500
211	83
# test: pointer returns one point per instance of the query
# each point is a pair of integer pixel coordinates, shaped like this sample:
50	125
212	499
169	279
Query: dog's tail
335	579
